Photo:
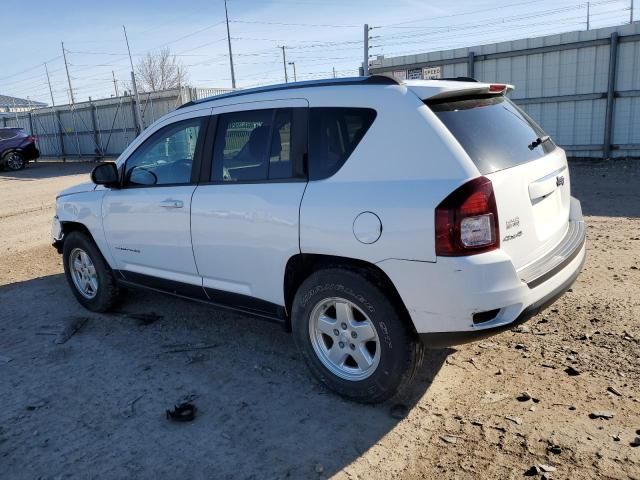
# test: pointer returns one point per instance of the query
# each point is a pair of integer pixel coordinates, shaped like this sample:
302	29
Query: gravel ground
93	404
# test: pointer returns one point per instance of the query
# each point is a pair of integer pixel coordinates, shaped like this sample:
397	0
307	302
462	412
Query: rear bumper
443	297
446	339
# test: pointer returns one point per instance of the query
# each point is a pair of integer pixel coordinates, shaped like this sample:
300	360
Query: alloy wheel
15	161
344	339
83	273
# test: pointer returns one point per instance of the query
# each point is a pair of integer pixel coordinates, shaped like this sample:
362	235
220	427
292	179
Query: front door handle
172	204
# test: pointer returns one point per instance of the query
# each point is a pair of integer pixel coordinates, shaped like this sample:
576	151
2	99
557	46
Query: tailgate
529	173
533	201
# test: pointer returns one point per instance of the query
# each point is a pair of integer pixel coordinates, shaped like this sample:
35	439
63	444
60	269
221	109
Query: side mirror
106	174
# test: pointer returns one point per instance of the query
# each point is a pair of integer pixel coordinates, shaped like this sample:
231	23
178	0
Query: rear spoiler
450	88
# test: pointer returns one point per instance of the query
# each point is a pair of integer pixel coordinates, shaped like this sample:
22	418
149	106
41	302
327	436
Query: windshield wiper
539	141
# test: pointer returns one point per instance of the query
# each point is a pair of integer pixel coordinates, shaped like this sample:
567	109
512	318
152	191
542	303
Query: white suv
370	217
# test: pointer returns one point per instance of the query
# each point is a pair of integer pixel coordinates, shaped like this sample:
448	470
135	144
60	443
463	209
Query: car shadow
95	387
49	169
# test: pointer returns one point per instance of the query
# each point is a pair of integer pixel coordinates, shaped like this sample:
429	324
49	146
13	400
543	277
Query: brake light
497	88
31	138
467	220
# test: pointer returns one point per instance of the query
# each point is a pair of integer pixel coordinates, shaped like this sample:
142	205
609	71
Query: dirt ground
93	404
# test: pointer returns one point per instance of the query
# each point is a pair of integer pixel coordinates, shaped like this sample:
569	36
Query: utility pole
133	82
631	12
588	15
295	78
233	75
66	66
53	102
365	65
115	82
284	64
334	72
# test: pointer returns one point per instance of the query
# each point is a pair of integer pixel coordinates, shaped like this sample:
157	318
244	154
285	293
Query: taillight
467	220
31	138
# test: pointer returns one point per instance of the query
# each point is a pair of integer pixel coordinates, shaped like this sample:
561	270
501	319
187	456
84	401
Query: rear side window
6	134
334	134
254	145
494	132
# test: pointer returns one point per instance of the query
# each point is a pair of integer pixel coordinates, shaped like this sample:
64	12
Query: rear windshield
493	130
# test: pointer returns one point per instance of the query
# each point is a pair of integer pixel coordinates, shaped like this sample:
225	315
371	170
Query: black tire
14	161
400	353
108	293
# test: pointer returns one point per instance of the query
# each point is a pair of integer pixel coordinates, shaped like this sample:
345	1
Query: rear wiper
539	141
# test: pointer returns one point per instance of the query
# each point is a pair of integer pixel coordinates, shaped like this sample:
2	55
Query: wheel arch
5	154
67	228
299	267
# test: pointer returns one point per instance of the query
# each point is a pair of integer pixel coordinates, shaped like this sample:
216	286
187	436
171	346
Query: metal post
233	75
15	110
588	15
115	82
631	12
94	125
334	72
295	78
134	110
56	114
137	112
365	64
135	104
471	65
53	102
284	64
611	87
66	66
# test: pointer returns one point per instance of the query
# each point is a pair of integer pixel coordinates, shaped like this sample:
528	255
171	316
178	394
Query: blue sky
318	34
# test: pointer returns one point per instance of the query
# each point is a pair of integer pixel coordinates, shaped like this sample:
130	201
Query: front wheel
351	336
14	161
88	274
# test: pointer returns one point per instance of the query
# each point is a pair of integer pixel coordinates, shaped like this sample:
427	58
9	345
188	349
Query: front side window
334	133
166	158
253	145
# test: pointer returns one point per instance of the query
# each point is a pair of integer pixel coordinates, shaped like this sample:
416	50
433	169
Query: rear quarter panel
404	166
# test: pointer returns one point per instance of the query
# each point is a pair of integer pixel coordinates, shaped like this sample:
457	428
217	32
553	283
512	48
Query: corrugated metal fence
102	127
582	87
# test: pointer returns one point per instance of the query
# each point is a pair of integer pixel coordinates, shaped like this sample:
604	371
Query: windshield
494	132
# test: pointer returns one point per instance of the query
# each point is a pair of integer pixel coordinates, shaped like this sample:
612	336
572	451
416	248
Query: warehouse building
14	104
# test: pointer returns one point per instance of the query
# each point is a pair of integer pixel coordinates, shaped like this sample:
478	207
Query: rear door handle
172	204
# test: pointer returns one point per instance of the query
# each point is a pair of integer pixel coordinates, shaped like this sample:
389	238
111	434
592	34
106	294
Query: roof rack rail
370	80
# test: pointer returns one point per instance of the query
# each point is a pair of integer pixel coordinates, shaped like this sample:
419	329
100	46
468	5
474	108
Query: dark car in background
16	148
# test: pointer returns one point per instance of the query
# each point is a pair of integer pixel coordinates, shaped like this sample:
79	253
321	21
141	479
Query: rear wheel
352	338
89	276
14	161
